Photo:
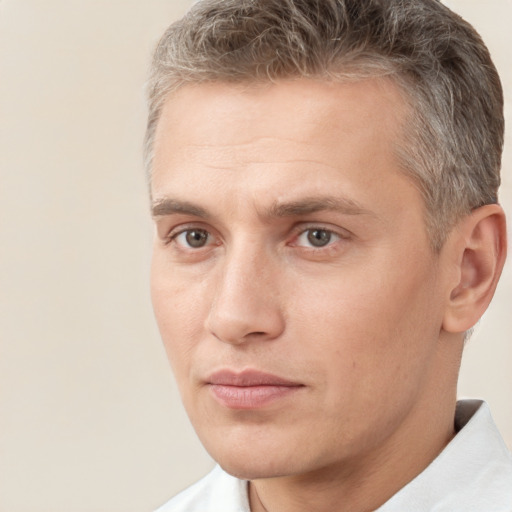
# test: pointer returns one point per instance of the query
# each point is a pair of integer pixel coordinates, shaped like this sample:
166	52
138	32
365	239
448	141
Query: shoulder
216	491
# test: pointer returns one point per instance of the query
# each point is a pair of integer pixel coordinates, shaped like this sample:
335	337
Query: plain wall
90	420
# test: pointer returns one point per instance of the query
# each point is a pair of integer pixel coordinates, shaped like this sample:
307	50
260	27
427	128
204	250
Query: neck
365	484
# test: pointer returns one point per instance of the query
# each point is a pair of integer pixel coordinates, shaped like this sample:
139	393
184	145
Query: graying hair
453	139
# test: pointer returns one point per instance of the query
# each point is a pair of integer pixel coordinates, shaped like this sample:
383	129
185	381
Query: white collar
472	474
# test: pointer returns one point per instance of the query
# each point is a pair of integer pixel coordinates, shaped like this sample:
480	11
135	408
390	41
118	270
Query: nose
246	302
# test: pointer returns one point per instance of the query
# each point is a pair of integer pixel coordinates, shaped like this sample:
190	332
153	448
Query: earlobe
480	257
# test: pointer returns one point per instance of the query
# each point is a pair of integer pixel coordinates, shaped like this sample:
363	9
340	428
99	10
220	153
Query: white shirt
472	474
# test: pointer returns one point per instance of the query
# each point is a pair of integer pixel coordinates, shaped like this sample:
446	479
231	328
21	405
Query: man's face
293	282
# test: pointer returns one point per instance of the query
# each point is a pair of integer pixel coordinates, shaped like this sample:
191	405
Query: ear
479	253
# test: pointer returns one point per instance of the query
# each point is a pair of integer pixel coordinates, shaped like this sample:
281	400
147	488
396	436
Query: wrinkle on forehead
297	108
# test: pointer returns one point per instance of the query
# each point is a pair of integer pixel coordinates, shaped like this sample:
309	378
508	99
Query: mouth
250	389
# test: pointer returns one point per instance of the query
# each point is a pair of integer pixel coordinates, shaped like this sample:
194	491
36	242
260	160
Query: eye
316	237
192	238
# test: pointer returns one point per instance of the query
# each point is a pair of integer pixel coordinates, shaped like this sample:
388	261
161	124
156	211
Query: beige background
89	416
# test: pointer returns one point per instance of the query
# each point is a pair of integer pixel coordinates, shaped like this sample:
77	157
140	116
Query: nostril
237	315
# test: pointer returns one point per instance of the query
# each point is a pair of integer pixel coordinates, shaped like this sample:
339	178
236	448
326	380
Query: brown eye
318	237
195	238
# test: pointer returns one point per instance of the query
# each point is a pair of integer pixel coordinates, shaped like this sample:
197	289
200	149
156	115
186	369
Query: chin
251	459
254	470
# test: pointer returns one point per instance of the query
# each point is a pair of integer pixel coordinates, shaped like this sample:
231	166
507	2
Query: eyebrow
168	206
309	205
304	206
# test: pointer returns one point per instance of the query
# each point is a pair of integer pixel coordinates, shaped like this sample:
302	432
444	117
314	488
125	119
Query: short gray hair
452	144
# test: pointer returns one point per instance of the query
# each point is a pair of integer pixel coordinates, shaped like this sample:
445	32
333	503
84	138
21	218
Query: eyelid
308	226
183	228
297	230
334	237
337	242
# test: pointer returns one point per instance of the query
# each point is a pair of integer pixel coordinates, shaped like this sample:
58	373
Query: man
324	178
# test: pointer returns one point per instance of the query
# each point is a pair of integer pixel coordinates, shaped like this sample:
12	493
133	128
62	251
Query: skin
370	324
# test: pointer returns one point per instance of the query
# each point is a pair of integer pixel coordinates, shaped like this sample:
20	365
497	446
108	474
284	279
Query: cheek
369	327
179	313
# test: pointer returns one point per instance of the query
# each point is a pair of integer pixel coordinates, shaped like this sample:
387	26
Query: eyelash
300	232
174	234
191	230
333	237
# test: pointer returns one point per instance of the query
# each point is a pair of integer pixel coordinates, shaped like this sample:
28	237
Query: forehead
218	112
300	136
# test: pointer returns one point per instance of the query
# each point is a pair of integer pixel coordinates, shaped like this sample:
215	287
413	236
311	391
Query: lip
249	389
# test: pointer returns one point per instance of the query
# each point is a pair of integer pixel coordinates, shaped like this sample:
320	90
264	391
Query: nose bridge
245	302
